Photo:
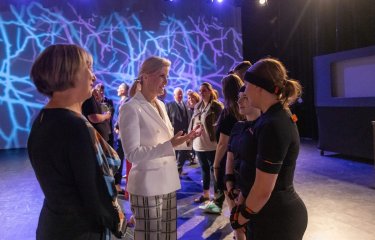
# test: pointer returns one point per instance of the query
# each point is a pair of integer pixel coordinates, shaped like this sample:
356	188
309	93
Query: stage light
220	1
262	2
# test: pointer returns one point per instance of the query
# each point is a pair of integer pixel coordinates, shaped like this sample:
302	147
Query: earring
139	85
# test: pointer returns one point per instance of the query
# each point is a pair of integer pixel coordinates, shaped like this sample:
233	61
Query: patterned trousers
155	217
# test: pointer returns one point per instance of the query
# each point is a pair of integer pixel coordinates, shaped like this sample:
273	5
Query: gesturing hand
179	138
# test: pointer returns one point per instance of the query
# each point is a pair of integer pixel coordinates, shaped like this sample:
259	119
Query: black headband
261	82
242	89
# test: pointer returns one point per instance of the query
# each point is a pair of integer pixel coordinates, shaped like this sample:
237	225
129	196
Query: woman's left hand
237	221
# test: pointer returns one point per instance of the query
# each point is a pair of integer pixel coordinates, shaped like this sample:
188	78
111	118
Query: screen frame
323	79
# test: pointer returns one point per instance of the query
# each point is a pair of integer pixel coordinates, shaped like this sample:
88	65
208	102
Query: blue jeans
206	160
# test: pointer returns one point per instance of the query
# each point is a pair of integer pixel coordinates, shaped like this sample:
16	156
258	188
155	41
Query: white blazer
145	138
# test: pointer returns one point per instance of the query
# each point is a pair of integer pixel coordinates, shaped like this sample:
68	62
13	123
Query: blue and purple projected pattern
200	50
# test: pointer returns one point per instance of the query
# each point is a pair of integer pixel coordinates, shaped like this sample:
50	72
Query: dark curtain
295	31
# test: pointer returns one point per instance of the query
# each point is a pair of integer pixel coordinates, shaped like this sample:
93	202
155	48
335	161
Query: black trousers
182	156
120	152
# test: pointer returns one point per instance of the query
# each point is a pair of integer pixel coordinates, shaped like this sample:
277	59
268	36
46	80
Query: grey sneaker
212	208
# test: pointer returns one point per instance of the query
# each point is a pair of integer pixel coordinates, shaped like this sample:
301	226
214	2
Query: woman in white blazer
148	142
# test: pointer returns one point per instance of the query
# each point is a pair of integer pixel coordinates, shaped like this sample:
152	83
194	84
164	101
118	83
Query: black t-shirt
278	142
63	157
108	103
284	216
242	145
91	106
224	126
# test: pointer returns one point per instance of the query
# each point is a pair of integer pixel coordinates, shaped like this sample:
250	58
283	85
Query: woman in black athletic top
273	210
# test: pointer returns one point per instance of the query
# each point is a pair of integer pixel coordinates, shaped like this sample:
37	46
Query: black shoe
121	192
201	199
191	163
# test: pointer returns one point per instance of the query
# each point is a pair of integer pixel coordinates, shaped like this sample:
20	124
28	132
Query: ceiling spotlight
220	1
262	2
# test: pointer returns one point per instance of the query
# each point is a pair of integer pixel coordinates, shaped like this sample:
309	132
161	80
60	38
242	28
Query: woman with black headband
273	209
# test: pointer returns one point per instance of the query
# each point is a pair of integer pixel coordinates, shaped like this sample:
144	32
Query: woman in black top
72	162
240	169
273	210
228	117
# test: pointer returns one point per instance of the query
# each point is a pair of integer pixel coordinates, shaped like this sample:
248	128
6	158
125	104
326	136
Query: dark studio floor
339	194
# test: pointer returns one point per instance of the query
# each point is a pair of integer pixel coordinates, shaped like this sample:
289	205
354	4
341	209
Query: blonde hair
134	88
55	68
153	64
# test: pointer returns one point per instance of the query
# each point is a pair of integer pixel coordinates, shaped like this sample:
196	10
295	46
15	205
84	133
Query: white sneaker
212	208
204	205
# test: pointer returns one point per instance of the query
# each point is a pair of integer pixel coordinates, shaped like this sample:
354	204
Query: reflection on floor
339	194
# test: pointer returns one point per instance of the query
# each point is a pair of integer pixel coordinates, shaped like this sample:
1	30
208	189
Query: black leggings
284	217
120	153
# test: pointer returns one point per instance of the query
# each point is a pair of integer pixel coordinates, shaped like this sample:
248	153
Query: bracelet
246	212
234	214
233	194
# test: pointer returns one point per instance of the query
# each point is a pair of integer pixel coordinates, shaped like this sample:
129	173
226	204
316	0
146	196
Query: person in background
148	142
205	115
122	92
92	110
272	209
193	99
231	85
107	105
179	116
74	165
228	117
240	171
241	69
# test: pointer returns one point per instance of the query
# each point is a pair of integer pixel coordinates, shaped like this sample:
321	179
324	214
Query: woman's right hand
240	199
179	138
108	115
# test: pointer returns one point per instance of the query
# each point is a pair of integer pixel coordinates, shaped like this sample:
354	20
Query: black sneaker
201	199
